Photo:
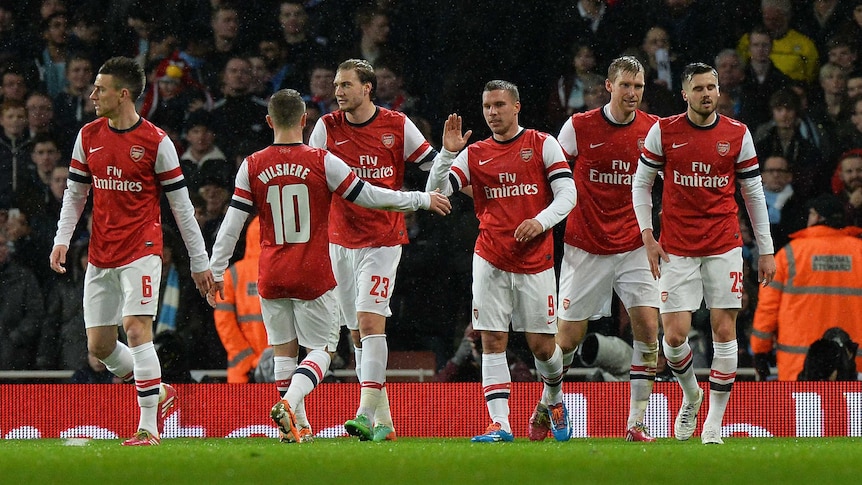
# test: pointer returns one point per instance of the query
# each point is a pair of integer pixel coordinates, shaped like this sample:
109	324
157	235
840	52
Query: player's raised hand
203	281
439	203
58	258
453	139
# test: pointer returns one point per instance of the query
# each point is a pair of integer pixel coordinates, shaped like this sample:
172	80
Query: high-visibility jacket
238	318
817	285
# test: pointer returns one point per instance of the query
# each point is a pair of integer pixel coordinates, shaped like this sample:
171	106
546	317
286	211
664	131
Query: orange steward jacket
817	285
238	318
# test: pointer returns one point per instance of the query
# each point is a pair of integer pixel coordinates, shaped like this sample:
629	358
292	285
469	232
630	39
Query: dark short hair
127	74
831	209
498	84
696	68
785	98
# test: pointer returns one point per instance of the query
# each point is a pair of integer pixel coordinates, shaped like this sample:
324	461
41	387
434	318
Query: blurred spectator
94	372
850	192
842	52
731	75
14	86
809	128
322	90
661	72
162	44
830	108
63	340
849	133
203	158
172	94
793	53
820	19
13	41
782	136
29	248
52	52
301	48
683	21
566	94
854	84
22	311
40	114
239	116
390	92
762	79
851	29
72	107
238	318
216	190
787	211
225	42
816	285
727	105
260	77
831	358
313	114
373	41
44	157
86	37
14	152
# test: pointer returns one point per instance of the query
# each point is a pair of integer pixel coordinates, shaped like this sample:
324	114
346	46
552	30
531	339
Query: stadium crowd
791	71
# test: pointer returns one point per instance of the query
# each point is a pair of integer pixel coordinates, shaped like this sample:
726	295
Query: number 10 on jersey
291	214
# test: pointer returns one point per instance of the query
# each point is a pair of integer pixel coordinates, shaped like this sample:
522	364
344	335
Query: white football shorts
527	301
366	280
587	283
686	281
314	322
113	293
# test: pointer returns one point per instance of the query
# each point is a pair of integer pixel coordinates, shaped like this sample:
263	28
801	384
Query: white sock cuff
495	359
725	349
144	347
643	347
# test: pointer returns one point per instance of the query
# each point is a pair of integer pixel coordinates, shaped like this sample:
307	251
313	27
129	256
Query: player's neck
362	113
124	120
618	115
289	136
701	120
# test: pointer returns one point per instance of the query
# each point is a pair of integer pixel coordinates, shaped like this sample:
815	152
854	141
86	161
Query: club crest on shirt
723	147
526	154
136	152
641	142
566	303
388	140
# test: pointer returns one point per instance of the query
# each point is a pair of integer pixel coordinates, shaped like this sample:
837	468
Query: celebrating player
366	244
603	247
290	185
522	186
127	161
703	156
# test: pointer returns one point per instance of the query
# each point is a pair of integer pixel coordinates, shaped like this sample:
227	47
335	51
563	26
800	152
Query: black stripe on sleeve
649	164
749	174
80	178
241	206
355	192
565	174
174	186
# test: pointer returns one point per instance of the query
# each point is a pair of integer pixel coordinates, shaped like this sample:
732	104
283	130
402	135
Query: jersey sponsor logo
621	175
114	181
341	142
483	162
373	172
137	152
700	177
388	140
678	145
596	145
509	187
526	154
95	149
723	147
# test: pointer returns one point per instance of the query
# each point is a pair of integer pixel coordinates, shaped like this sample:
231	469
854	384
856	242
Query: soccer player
366	243
522	186
603	248
127	162
703	156
290	185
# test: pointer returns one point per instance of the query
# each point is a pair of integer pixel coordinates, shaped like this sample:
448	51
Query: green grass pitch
346	461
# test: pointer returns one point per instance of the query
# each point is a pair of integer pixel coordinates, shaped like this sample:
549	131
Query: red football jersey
701	166
289	186
376	151
511	183
127	170
605	157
